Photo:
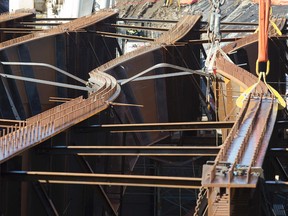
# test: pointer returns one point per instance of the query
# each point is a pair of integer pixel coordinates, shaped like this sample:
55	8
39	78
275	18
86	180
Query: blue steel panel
31	88
60	54
13	88
5	108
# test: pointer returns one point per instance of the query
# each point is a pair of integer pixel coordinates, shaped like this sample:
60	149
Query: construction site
144	108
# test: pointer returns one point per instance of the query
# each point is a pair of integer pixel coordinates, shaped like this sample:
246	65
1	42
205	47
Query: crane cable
263	63
214	36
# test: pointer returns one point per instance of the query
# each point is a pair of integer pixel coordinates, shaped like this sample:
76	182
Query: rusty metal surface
39	128
240	76
239	162
181	29
246	41
70	26
237	156
4	17
244	142
170	37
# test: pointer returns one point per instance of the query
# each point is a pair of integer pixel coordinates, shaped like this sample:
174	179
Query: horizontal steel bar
136	27
12	121
20	29
39	23
104	179
146	20
226	30
134	150
175	21
50	19
234	23
277	182
279	149
16	32
282	124
175	126
278	152
200	41
114	35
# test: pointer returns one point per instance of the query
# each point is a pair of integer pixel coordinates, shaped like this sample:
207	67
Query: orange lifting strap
263	64
264	13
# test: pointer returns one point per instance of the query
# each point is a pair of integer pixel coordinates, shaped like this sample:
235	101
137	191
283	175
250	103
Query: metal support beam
145	127
50	19
279	152
226	30
135	27
282	124
175	21
114	35
39	23
19	29
277	183
201	41
146	20
104	179
154	151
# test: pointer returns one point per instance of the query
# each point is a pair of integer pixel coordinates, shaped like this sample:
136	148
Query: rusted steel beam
50	19
114	35
177	32
146	20
17	32
20	29
136	27
239	161
175	21
200	41
46	124
104	179
13	16
38	23
145	127
234	23
167	151
74	25
11	121
226	30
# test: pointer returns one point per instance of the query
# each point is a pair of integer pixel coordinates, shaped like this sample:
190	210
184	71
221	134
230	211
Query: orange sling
264	12
263	64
